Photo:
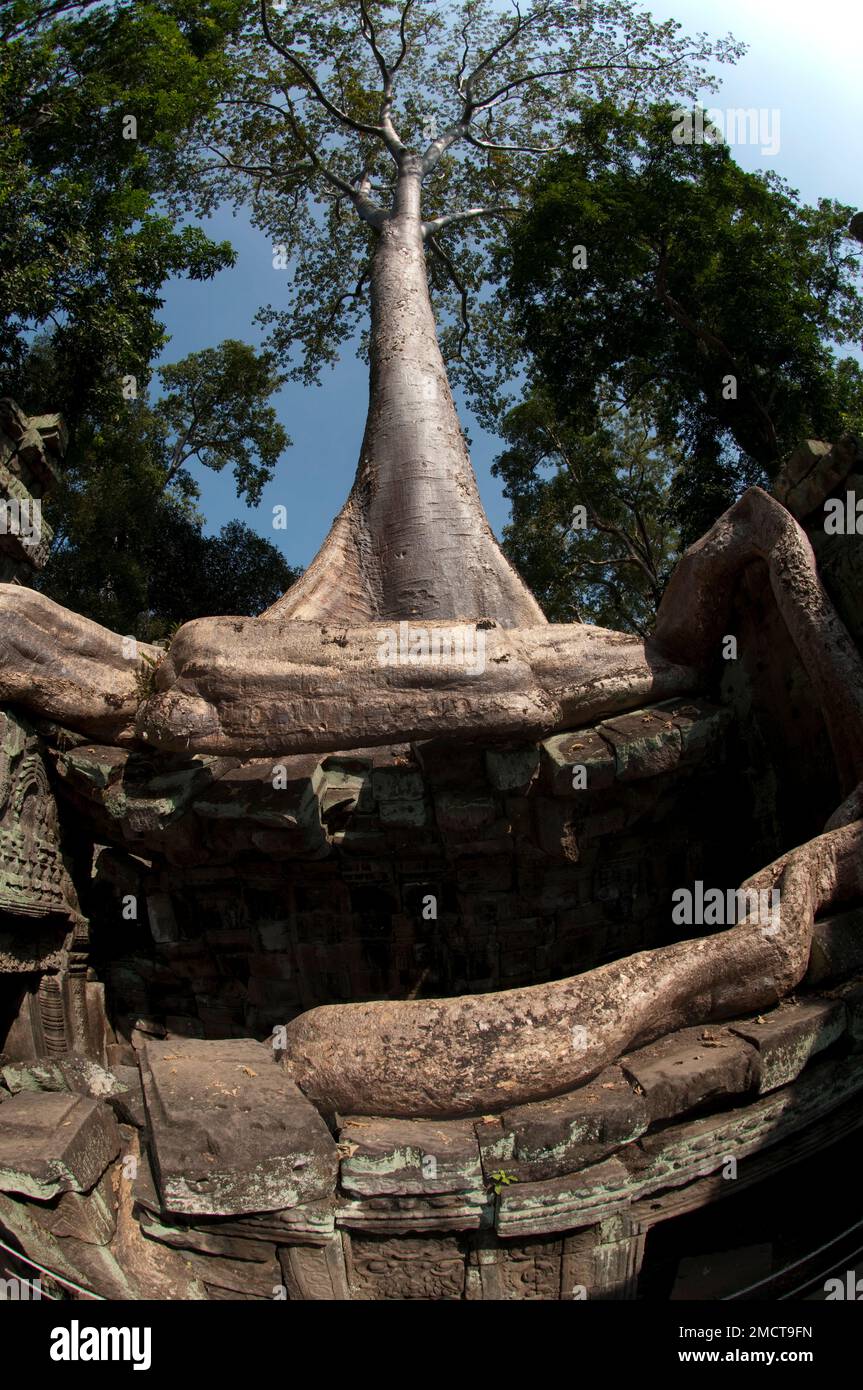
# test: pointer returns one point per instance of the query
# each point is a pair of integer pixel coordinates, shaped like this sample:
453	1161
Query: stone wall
30	452
401	872
196	1169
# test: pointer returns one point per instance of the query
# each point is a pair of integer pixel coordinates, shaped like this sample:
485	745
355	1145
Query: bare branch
465	85
502	93
437	224
510	149
438	147
369	33
358	192
403	41
225	162
521	24
355	293
378	132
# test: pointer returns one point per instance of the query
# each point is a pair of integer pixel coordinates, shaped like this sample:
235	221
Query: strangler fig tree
379	146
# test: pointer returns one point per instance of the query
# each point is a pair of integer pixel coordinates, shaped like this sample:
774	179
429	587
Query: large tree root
264	686
58	665
244	686
302	687
478	1053
697	604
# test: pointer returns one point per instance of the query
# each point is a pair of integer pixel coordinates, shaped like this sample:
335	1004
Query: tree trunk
412	541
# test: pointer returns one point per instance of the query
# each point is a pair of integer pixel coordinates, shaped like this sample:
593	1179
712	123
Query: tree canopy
129	545
95	103
718	285
590	528
98	102
334	96
658	282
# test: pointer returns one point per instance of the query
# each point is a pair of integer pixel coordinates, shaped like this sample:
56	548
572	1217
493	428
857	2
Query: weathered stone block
512	769
646	743
86	1216
585	748
120	1087
397	784
430	1268
851	995
404	812
466	812
571	1131
701	724
231	1131
213	1241
786	1039
312	1274
392	1215
690	1068
563	1204
401	1157
53	1142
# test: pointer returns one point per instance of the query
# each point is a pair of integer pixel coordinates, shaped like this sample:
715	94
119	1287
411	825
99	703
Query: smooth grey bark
412	541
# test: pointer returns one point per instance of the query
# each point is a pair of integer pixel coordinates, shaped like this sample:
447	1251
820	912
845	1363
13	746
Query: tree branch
367	209
466	87
226	163
437	224
510	149
379	132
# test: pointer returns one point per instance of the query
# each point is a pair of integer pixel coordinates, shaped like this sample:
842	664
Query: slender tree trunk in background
412	540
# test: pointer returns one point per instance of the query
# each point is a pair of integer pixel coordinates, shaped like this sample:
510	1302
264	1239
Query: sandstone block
231	1131
52	1142
690	1068
787	1038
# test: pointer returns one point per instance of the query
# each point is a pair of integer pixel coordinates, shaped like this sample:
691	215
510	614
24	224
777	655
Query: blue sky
804	62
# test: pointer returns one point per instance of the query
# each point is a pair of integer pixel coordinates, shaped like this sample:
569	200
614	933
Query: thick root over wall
478	1053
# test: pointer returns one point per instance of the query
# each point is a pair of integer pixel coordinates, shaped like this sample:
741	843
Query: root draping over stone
269	686
695	609
240	685
60	666
478	1053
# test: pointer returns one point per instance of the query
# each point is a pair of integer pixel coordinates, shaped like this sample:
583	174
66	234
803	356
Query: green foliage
216	406
696	272
145	677
608	563
86	244
130	550
501	1179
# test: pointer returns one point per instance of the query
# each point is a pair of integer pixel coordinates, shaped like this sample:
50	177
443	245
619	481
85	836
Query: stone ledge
52	1142
231	1133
